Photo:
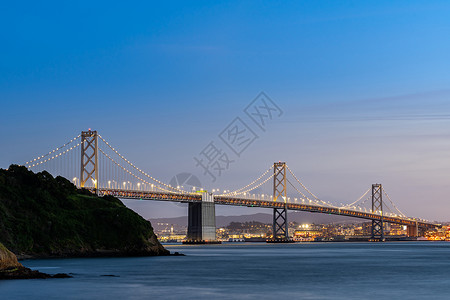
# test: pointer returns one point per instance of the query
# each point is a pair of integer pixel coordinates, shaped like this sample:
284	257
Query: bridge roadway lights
202	221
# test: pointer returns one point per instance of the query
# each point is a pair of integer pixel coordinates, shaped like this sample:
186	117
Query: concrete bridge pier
412	230
202	221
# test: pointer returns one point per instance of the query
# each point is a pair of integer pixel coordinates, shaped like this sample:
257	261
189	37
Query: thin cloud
421	106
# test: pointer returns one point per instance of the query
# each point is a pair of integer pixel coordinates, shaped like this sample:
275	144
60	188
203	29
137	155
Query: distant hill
45	216
299	217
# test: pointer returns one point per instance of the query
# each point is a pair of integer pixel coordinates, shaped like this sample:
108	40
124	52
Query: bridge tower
202	221
89	158
377	205
280	222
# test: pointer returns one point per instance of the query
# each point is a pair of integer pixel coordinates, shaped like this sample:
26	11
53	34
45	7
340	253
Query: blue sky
364	86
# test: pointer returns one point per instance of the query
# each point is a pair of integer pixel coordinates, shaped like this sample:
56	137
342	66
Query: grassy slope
42	215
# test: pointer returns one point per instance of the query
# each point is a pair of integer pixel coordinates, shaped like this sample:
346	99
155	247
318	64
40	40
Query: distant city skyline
363	87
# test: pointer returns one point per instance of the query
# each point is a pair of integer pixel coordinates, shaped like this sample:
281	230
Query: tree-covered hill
45	216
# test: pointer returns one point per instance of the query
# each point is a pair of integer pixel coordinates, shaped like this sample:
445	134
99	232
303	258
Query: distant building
307	233
397	229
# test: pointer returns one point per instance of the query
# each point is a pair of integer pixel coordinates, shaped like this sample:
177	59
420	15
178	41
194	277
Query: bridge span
412	223
105	171
251	202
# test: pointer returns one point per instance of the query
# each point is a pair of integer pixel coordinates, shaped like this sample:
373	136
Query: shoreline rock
10	268
8	259
26	273
98	254
64	221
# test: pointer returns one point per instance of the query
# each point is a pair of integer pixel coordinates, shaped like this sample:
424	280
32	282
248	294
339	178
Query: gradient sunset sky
364	87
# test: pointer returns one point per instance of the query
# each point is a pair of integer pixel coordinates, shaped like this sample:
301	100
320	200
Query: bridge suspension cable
28	164
123	168
306	189
292	173
305	197
240	191
395	207
51	158
139	170
252	188
365	200
314	201
353	203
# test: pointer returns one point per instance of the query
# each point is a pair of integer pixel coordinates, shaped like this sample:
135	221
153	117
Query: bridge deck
223	200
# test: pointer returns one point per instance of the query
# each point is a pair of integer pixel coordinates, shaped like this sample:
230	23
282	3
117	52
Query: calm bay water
251	271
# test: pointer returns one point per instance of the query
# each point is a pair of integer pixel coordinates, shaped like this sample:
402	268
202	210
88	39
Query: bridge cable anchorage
398	210
51	152
314	196
353	203
138	169
129	172
238	191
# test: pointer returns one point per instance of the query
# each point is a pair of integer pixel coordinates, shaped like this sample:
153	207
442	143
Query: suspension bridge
91	162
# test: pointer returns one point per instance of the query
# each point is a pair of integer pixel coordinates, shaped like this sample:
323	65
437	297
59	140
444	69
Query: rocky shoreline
104	254
156	250
10	268
45	217
26	273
